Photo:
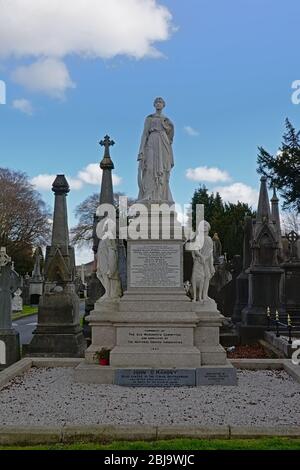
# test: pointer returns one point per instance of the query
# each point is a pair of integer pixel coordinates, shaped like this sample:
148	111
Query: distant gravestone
17	301
155	377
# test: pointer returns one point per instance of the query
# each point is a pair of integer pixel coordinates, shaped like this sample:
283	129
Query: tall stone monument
155	334
10	282
58	333
265	272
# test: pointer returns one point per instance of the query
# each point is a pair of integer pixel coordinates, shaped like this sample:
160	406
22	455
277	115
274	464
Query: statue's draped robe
157	162
107	268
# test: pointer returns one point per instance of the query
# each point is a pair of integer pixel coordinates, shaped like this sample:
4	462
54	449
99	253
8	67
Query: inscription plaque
152	336
216	376
155	377
155	265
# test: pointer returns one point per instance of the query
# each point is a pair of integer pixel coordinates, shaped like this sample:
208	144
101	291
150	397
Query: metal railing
279	324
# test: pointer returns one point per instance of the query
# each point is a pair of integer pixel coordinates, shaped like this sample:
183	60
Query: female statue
156	157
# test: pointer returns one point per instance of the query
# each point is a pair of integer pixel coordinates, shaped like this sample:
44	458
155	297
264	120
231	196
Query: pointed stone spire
107	192
263	209
106	165
60	232
276	215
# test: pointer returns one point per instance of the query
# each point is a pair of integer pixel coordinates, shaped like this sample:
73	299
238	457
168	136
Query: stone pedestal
58	333
9	348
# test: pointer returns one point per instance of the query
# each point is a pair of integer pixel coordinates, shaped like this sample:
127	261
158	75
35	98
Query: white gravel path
50	397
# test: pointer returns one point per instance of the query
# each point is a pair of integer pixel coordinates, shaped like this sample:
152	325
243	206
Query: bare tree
24	217
291	221
82	233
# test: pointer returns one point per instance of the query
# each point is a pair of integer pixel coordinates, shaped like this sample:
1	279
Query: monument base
9	348
156	339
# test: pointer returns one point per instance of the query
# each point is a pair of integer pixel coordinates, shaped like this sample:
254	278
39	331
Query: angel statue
203	268
107	263
156	157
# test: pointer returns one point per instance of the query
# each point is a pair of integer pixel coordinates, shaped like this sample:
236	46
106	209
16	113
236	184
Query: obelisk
58	333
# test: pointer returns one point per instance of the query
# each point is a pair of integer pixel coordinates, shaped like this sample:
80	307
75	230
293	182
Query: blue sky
225	69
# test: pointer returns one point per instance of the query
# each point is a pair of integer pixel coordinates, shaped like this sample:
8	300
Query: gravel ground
50	397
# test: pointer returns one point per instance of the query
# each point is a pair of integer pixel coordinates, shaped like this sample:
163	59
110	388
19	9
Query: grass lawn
275	443
27	312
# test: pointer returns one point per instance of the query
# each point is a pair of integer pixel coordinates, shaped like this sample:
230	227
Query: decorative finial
277	315
268	312
289	320
60	185
107	163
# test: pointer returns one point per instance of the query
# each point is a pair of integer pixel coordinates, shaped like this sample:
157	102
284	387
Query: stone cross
106	142
293	238
106	163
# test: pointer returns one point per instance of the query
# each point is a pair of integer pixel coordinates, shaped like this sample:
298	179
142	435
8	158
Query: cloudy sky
78	69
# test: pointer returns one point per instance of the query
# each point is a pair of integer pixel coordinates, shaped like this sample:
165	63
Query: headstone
9	338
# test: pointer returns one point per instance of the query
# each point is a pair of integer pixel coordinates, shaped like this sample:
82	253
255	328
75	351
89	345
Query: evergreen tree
226	219
283	169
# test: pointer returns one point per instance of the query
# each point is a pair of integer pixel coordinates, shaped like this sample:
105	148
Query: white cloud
238	192
203	173
45	182
23	105
83	255
48	76
43	29
92	174
191	131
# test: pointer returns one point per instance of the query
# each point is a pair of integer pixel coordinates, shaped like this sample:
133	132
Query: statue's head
159	103
206	227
